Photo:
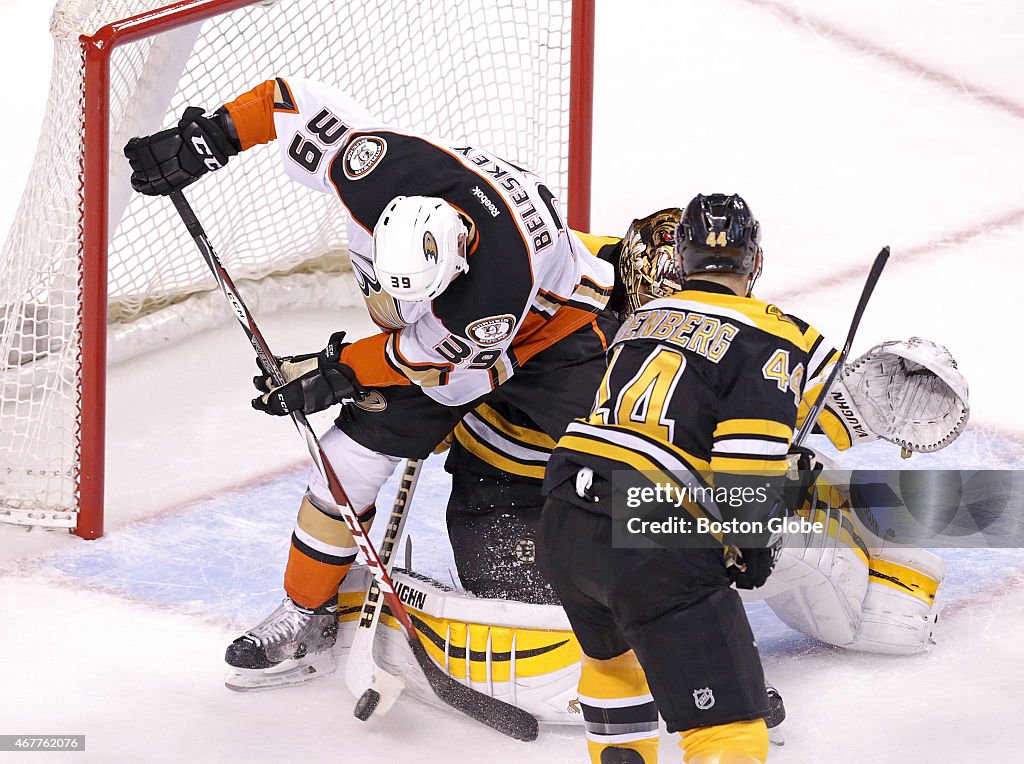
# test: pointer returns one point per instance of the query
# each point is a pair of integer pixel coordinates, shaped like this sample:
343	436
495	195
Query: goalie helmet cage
94	274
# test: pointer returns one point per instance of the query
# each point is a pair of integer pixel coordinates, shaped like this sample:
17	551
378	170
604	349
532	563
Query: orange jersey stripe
539	332
368	360
253	114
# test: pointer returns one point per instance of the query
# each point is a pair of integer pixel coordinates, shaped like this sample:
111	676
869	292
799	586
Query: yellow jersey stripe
695	463
594	242
755	427
487	454
637	461
753	466
535	438
762	315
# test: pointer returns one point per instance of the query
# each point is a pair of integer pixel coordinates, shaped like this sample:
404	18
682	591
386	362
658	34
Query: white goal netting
495	72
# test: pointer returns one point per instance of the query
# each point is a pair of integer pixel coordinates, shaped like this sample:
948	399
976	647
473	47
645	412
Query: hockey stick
869	286
733	555
376	688
501	716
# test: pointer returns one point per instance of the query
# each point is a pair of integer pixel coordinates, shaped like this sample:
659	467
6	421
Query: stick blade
496	714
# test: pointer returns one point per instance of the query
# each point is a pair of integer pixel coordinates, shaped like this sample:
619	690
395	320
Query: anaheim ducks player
710	380
464	264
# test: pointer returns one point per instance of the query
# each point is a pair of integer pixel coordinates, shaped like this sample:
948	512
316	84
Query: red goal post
515	76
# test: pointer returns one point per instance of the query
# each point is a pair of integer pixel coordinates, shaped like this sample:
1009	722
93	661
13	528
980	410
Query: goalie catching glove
908	392
315	381
172	159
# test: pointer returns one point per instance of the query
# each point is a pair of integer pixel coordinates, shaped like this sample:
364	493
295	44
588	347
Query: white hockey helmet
419	247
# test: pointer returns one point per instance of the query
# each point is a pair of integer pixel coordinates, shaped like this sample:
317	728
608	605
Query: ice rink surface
846	126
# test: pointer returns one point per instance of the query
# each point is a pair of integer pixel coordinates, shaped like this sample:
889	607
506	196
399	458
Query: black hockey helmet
718	234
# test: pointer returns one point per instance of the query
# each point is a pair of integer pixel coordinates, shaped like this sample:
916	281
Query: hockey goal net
95	274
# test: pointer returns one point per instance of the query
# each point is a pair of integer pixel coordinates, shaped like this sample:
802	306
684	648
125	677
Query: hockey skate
776	715
291	646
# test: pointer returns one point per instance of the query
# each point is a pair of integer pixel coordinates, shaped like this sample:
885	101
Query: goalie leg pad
819	584
822	601
899	612
524	654
819	589
838	587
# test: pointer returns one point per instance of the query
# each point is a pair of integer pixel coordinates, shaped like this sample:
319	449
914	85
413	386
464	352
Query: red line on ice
902	256
918	69
1004	582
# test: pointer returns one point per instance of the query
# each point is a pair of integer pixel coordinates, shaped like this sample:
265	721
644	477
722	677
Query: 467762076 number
42	742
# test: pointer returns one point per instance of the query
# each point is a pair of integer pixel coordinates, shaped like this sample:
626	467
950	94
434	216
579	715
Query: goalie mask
419	247
647	264
719	234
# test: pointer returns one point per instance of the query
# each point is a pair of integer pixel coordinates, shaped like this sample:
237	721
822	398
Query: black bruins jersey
496	439
702	382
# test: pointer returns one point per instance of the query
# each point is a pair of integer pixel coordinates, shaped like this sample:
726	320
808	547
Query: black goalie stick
501	716
869	286
733	556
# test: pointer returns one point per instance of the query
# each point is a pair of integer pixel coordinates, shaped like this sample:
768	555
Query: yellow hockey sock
619	711
735	743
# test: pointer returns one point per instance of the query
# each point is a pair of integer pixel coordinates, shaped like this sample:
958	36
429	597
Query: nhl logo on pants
526	550
704	699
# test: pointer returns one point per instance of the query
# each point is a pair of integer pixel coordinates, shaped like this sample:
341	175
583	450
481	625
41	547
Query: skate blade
285	674
775	737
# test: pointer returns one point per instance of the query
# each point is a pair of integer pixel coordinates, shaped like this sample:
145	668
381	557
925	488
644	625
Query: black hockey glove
172	159
799	481
316	381
749	568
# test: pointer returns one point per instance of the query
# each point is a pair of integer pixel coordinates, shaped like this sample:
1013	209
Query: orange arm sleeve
368	360
253	115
